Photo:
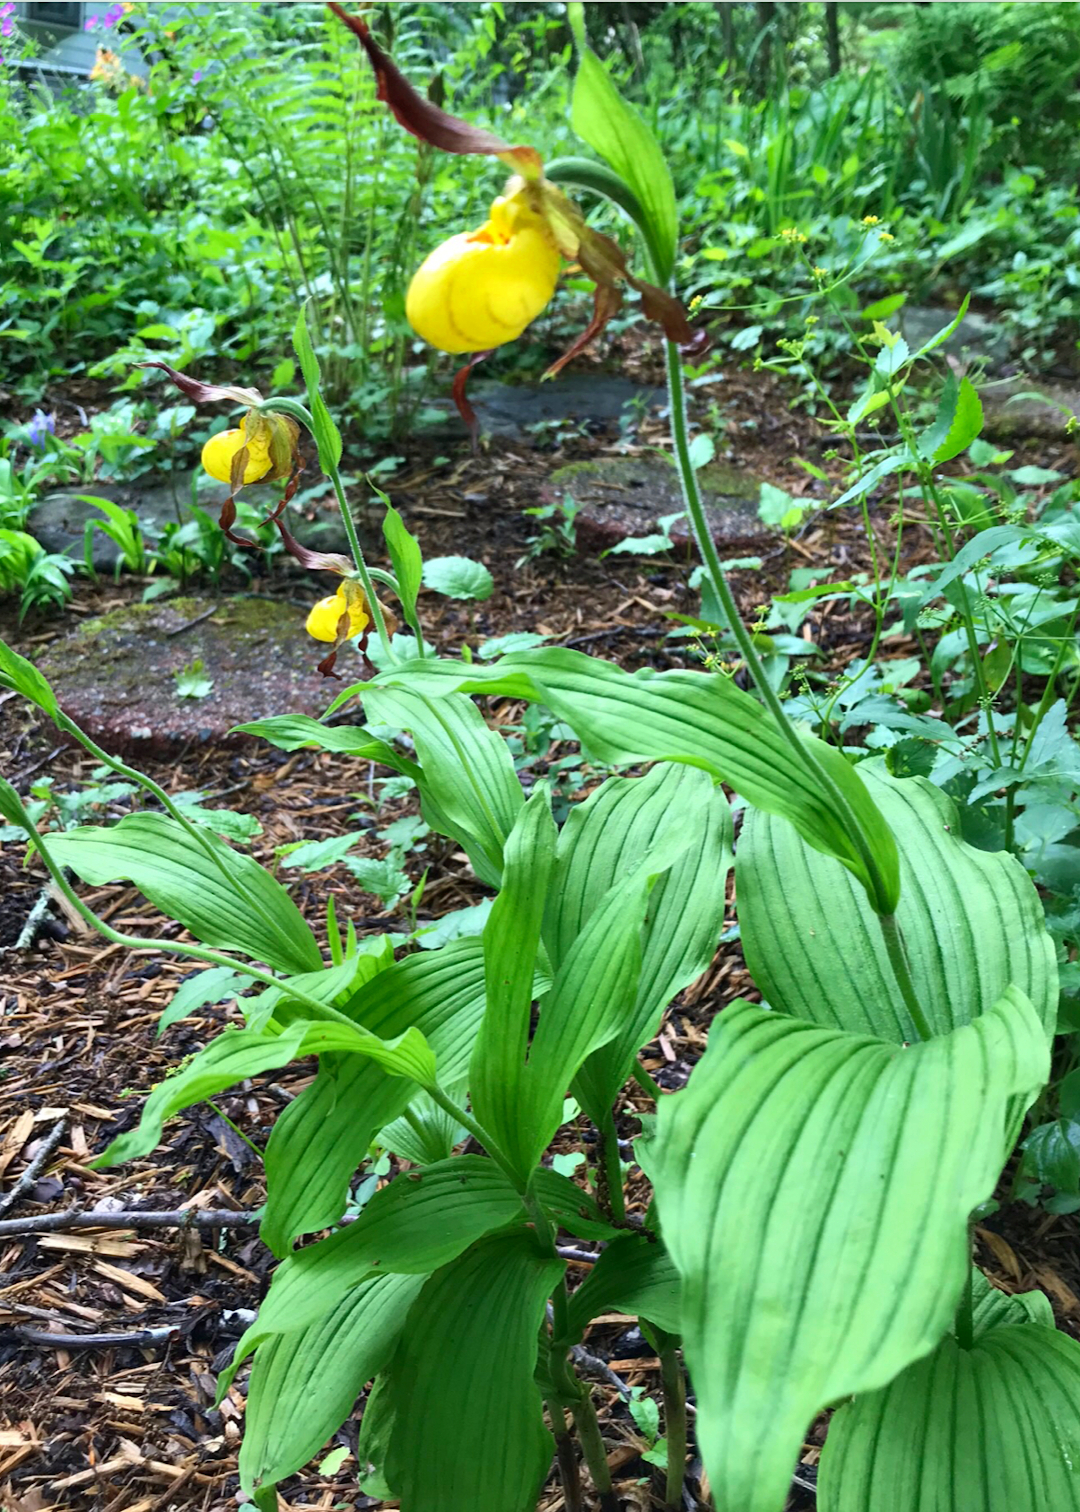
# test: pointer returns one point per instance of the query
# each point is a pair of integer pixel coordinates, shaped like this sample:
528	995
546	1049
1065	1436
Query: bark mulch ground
110	1339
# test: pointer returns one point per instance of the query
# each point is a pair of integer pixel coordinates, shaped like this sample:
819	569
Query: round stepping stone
117	676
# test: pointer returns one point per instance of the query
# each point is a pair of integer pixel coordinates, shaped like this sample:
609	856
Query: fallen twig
137	1338
36	1166
73	1218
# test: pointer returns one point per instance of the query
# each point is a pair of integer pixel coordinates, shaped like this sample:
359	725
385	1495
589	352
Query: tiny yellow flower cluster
871	220
792	234
886	236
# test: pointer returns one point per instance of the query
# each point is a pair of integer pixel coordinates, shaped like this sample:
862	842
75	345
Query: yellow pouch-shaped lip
219	451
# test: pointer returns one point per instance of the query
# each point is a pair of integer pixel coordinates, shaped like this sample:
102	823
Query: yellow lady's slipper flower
482	288
325	617
219	451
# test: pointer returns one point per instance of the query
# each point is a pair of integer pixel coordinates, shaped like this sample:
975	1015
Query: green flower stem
673	1385
965	1313
480	1134
894	944
646	1082
592	1447
569	1475
613	1177
299	412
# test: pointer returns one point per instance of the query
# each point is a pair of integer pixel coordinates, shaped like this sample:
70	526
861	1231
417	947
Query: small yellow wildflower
871	220
219	451
325	617
792	234
821	272
886	236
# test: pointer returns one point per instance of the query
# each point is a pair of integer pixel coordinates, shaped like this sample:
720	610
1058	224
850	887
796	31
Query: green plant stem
894	945
609	1137
646	1082
210	1103
965	1314
479	1133
713	570
674	1389
569	1474
297	411
592	1447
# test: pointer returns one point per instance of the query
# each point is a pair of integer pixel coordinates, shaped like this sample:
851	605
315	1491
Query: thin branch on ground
36	1166
74	1218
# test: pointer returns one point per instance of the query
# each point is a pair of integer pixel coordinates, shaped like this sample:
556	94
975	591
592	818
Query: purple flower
196	76
40	426
9	9
91	24
113	14
7	26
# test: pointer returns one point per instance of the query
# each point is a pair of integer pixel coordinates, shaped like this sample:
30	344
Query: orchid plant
808	1240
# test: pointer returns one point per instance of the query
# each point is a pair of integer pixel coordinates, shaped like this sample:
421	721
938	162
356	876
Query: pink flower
196	76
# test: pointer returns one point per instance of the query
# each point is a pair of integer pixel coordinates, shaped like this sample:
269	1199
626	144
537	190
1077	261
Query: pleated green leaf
602	840
236	904
511	941
469	788
422	1220
239	1053
469	1433
971	919
295	732
814	1189
320	1138
994	1428
695	717
635	1274
304	1382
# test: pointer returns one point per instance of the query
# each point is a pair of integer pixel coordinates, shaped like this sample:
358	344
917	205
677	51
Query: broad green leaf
570	1207
233	903
814	1188
429	1133
974	551
23	677
511	941
635	1274
618	134
998	1309
210	985
591	997
239	1053
422	1220
699	718
965	425
469	789
292	732
468	1422
458	577
994	1428
971	919
604	838
322	1136
304	1382
405	554
327	436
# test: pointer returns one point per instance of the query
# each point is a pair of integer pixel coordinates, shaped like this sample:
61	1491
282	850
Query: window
57	14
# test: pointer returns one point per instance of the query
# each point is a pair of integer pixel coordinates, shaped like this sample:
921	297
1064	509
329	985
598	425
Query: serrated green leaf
971	919
475	1324
694	717
234	903
814	1188
993	1428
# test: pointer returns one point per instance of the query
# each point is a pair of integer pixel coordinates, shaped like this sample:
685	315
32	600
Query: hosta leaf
971	919
994	1428
814	1188
239	1053
468	786
635	1274
468	1424
421	1221
604	838
695	717
232	902
304	1383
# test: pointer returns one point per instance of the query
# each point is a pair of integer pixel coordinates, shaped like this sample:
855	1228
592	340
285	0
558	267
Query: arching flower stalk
480	289
263	448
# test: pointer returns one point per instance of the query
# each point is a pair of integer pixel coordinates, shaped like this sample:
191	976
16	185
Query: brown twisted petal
424	119
457	388
206	393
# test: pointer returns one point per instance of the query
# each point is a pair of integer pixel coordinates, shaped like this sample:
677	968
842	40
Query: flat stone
627	496
59	519
115	675
1028	407
587	402
978	336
